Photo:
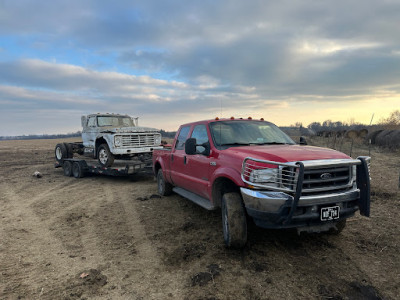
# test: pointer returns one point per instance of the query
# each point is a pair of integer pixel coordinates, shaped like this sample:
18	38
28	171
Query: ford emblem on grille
326	176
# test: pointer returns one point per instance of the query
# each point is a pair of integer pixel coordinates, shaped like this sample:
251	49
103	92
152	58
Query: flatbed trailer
80	167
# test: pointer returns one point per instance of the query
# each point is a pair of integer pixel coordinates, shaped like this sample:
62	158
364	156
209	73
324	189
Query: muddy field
113	238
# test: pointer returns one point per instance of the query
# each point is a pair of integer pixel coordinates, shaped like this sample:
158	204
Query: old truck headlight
264	176
118	140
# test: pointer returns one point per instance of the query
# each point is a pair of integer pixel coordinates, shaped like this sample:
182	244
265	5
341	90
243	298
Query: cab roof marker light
249	118
216	118
232	118
262	119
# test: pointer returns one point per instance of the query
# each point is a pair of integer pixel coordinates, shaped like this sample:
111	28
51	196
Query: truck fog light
314	208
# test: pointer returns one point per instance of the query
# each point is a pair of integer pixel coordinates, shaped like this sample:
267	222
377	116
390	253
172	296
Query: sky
170	62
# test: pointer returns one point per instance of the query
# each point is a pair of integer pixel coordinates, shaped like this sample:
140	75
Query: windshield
238	133
114	121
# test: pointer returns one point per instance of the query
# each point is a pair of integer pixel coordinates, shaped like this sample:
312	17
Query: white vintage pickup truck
111	136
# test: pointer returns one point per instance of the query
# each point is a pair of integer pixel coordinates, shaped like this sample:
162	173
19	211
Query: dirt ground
114	238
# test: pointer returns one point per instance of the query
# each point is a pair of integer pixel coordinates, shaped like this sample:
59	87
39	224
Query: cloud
190	59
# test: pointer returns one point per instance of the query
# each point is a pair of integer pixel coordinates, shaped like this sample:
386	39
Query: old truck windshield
240	133
114	121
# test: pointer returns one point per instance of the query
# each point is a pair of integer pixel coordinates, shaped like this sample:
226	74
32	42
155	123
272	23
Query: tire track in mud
36	246
135	266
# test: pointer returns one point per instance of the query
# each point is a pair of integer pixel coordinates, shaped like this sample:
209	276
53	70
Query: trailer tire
61	152
234	221
78	170
67	167
104	156
339	227
164	188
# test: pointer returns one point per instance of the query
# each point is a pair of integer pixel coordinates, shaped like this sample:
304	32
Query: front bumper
271	209
133	150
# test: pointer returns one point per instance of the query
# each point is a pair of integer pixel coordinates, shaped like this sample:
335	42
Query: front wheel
234	222
104	156
164	188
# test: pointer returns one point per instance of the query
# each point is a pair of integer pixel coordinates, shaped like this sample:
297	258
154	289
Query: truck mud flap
363	183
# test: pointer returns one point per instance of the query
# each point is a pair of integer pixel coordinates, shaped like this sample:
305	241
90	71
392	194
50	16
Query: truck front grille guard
289	177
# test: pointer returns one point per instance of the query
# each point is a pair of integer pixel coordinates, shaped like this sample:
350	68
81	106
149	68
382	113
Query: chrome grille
325	179
138	140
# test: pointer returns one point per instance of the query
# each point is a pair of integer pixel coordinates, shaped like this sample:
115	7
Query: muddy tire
104	156
234	223
164	188
61	152
77	170
339	227
67	167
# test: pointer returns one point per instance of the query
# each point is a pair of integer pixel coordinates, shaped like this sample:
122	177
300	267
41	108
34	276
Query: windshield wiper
235	144
271	143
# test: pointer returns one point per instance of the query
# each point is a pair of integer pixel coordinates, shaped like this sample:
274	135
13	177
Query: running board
194	198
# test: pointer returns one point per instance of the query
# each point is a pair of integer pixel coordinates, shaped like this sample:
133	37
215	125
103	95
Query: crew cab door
178	158
197	167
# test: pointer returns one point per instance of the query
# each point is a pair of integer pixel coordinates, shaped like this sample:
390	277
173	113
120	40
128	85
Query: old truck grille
327	179
141	140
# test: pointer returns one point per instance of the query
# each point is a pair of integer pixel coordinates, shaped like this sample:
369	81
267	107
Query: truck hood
285	153
129	130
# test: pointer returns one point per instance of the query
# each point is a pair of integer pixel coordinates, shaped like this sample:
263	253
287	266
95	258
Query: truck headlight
157	140
118	141
269	176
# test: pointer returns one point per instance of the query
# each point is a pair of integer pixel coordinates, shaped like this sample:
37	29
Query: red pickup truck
251	169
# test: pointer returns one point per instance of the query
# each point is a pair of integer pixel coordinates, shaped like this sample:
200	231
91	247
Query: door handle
172	157
184	160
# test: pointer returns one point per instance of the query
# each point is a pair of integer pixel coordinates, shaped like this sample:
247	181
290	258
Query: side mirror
303	140
190	146
206	150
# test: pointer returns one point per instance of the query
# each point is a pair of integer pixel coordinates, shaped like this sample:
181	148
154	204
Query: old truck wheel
339	227
164	188
67	166
61	152
234	223
104	156
77	170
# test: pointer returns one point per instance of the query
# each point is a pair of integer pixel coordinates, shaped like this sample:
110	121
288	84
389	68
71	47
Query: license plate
330	213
